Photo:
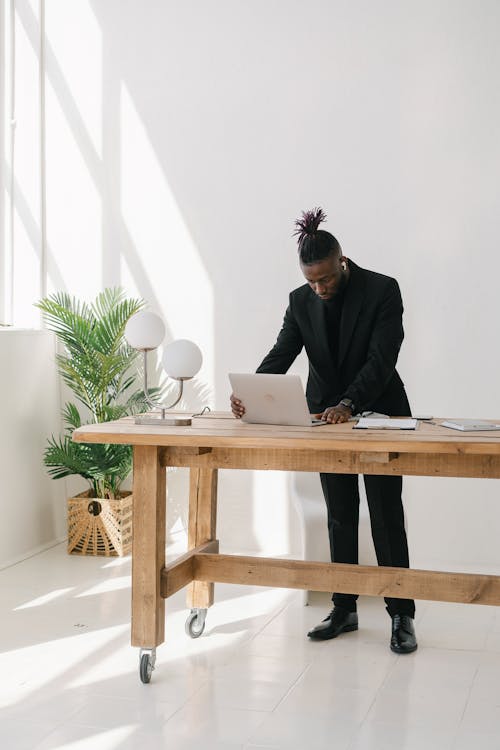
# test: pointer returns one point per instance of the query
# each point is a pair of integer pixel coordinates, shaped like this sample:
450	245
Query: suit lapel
354	295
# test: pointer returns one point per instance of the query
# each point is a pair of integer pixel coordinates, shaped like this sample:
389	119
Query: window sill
24	331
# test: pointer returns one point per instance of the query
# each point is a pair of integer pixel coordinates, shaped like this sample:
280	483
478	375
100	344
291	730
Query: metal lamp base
164	422
161	420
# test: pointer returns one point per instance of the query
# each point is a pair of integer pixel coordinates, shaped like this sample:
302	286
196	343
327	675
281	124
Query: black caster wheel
195	623
146	666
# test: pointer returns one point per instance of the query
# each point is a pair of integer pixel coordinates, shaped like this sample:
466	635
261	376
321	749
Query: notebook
272	399
387	423
470	425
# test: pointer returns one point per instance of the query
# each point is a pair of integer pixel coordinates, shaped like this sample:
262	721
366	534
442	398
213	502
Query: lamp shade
145	330
182	359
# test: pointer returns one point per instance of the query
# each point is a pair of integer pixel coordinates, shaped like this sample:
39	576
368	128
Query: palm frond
65	458
103	464
71	320
111	311
71	417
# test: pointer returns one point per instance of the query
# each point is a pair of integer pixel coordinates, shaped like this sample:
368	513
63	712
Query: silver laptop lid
271	399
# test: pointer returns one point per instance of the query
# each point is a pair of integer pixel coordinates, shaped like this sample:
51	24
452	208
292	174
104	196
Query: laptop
272	399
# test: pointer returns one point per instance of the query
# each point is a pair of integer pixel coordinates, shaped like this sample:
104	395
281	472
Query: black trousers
383	493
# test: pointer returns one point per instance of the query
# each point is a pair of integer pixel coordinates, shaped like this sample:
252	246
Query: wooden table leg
148	548
202	528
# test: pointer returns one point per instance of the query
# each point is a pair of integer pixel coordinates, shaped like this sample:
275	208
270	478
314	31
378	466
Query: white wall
2	141
184	138
33	506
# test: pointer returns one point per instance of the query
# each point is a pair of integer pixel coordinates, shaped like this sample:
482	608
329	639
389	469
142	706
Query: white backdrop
184	138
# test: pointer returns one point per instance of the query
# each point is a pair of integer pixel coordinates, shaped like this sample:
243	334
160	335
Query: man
350	322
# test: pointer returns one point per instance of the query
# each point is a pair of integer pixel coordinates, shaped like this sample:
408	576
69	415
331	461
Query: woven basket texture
99	527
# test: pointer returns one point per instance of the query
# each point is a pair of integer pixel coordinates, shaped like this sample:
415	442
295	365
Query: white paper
368	423
471	425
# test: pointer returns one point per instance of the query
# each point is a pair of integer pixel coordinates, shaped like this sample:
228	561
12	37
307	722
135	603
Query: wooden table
221	442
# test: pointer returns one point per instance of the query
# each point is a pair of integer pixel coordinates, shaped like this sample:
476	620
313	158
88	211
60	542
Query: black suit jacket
371	333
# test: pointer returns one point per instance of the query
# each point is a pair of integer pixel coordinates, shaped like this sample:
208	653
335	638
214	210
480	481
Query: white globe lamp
145	331
181	360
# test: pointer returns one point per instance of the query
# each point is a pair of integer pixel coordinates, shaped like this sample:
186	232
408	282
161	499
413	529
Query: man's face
327	277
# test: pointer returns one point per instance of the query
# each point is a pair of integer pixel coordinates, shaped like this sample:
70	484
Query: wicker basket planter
99	527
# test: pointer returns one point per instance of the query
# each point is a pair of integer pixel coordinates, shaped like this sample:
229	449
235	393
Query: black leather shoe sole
404	650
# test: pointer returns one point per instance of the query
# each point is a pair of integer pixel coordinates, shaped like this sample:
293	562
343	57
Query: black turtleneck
333	316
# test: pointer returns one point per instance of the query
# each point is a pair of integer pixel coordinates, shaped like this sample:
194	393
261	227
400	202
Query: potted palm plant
97	365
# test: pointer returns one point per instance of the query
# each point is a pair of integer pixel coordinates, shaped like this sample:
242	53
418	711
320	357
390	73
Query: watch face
347	402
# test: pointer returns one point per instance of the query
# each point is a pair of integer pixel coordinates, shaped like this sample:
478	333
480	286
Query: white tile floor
69	679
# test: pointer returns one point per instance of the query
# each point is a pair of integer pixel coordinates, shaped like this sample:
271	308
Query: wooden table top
222	430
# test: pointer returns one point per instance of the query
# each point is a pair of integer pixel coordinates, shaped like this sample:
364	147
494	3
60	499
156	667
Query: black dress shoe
403	639
339	621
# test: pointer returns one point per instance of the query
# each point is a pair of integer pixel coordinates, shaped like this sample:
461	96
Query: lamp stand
161	419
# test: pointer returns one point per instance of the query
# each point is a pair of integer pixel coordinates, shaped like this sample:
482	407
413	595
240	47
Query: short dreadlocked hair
314	244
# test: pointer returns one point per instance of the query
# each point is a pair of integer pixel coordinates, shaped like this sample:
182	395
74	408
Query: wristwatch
348	402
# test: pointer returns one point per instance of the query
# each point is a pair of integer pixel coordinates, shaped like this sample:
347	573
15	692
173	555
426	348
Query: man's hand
336	414
237	407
